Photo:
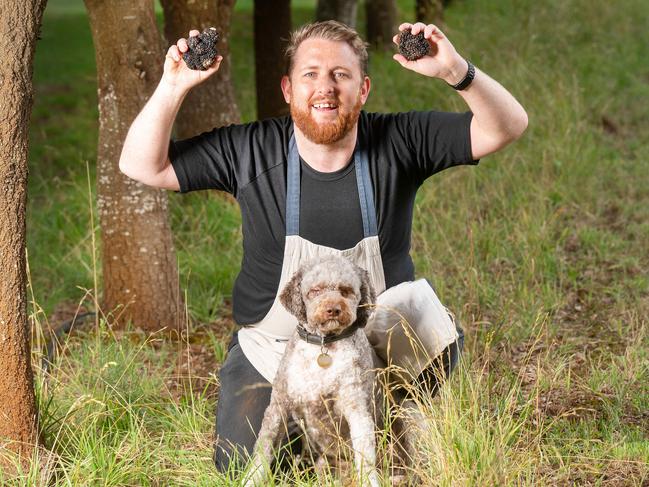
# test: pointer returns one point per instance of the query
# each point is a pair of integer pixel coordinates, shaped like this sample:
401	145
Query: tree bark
212	103
19	26
272	29
381	18
430	11
140	274
341	10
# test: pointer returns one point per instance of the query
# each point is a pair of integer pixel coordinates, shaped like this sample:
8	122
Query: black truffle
202	50
413	47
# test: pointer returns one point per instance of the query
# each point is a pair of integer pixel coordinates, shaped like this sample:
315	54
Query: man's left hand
443	61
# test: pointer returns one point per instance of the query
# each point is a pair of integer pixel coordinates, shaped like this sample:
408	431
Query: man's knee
440	369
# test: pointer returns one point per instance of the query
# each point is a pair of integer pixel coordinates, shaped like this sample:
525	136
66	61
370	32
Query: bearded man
329	179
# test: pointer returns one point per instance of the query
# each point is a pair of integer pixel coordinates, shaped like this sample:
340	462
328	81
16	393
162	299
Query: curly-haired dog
325	380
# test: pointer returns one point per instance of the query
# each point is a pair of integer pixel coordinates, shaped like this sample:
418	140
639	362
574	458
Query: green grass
540	250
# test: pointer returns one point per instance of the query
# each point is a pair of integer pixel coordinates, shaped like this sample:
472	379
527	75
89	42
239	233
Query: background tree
19	26
430	11
342	10
381	18
272	29
138	261
212	103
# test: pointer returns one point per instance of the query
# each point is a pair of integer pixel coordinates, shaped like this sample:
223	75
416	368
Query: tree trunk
381	18
212	103
341	10
272	29
430	11
140	274
19	26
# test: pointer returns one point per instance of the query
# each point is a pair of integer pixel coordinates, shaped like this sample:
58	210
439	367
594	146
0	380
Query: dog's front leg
271	434
363	436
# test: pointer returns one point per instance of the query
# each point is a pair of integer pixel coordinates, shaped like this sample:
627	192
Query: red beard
326	132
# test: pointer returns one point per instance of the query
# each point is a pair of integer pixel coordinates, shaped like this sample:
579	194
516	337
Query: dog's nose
333	311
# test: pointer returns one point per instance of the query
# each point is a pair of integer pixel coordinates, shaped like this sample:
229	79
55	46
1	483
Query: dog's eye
346	292
313	292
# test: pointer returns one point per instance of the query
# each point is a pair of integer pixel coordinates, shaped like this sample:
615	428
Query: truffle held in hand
413	47
202	50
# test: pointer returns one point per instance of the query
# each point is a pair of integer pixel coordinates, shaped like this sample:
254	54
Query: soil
196	368
613	473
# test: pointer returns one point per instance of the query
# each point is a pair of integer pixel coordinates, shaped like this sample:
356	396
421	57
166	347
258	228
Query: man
328	179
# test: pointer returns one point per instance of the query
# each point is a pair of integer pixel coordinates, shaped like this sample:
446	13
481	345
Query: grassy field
541	251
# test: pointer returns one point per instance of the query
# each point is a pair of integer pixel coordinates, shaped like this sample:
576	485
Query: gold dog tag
324	360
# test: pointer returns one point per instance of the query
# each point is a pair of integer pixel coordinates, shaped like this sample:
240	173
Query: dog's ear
368	297
291	297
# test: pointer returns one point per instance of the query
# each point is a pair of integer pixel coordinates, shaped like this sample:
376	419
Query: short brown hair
330	30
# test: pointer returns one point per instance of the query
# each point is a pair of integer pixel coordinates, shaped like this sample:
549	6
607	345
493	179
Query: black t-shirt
250	161
330	210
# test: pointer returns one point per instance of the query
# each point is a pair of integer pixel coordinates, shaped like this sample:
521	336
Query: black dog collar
323	340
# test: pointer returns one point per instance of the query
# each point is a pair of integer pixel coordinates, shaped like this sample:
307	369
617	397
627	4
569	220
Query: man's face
326	90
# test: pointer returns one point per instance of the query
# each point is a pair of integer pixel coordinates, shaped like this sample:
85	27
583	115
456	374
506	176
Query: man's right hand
177	74
149	163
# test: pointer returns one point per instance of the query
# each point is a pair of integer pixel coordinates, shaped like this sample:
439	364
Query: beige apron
410	309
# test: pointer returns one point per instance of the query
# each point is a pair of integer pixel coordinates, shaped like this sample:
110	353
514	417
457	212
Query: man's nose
326	86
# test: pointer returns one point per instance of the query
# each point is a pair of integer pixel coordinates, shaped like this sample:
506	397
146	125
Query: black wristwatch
466	81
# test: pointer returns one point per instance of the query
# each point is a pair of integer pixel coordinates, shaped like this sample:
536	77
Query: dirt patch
529	361
623	473
639	419
600	472
609	126
582	323
64	312
574	404
592	300
195	372
197	354
197	363
67	318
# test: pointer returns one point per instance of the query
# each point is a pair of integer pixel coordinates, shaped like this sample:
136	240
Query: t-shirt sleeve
436	140
206	161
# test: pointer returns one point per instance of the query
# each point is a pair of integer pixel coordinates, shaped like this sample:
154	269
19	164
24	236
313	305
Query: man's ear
286	88
365	89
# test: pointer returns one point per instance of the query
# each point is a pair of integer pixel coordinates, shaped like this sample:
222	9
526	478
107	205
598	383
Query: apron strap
363	183
365	192
293	189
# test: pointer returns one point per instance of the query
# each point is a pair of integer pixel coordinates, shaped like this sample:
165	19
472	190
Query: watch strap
466	81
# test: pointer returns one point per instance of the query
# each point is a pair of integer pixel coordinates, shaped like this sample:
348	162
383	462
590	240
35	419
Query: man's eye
309	75
341	75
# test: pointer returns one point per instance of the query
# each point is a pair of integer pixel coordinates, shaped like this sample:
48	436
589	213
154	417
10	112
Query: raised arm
145	152
498	118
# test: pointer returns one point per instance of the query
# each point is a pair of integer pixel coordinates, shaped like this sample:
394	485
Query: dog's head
328	295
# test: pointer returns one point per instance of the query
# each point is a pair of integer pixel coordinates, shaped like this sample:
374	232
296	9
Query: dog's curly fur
329	404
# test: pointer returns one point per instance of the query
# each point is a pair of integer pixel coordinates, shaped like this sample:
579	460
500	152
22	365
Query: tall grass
540	251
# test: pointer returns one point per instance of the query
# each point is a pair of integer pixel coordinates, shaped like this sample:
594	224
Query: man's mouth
325	106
